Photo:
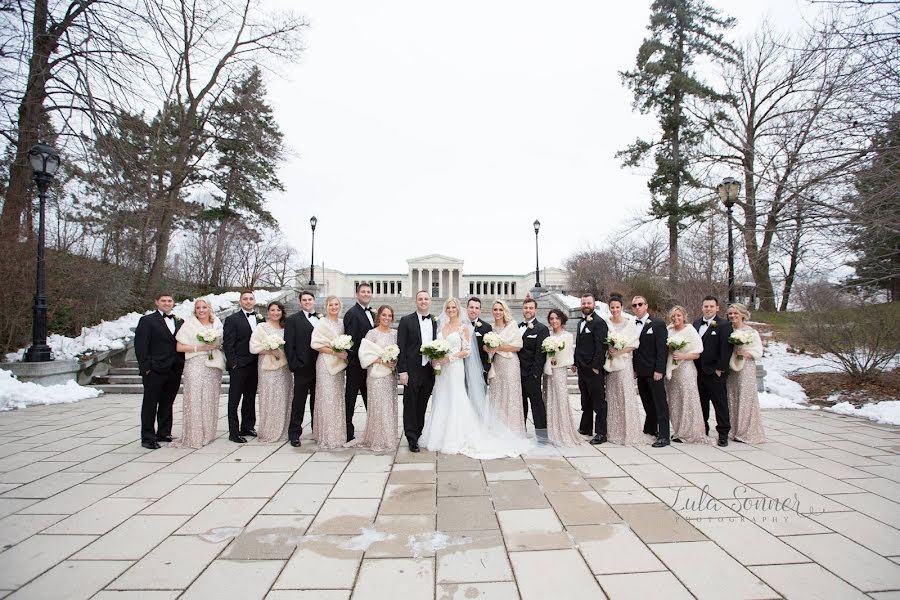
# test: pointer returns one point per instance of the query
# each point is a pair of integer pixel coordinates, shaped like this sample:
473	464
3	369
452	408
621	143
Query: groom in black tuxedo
712	366
531	366
416	373
241	365
357	323
301	360
161	366
590	356
649	361
473	310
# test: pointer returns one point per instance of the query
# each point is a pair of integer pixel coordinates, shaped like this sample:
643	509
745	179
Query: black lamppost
537	267
312	253
44	161
728	194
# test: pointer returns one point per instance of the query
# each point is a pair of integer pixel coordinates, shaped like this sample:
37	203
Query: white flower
342	343
273	342
390	353
616	341
492	339
551	345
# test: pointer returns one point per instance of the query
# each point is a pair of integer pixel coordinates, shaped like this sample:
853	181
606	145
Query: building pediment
431	259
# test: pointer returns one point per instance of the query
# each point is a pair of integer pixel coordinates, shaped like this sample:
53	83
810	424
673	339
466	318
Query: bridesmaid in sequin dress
381	414
624	425
743	399
330	425
276	384
505	378
202	378
560	419
681	381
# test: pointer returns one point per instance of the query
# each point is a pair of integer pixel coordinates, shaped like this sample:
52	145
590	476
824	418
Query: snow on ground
19	394
887	412
114	335
602	308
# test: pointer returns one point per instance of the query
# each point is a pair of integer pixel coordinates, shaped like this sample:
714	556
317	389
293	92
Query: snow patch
220	534
770	401
887	412
428	543
19	394
367	537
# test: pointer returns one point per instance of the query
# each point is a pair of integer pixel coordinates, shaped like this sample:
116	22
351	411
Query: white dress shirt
704	326
425	328
312	318
170	323
368	314
522	328
251	319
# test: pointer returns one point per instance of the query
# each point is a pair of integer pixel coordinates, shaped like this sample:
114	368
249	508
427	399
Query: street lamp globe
729	190
537	226
44	160
312	223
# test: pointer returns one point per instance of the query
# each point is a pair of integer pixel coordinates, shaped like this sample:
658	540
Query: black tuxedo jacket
154	345
650	357
409	339
716	349
297	337
590	344
356	325
236	334
531	359
479	334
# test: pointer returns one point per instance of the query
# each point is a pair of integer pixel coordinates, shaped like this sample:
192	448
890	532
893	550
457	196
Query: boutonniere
178	319
477	323
531	326
589	318
713	324
319	315
433	318
260	319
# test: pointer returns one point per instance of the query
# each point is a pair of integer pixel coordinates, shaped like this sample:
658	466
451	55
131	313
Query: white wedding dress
455	425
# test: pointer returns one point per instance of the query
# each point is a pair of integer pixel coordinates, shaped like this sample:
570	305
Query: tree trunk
164	236
219	255
795	258
31	109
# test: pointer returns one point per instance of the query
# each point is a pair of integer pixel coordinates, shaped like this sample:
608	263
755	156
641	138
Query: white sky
417	127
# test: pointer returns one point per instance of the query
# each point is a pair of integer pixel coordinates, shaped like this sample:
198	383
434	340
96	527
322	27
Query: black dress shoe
249	433
237	439
295	443
598	439
413	446
723	441
583	432
150	445
660	443
164	438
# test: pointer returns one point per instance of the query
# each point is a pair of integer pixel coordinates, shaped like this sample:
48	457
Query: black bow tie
523	324
638	322
426	317
249	314
309	315
708	323
473	323
170	317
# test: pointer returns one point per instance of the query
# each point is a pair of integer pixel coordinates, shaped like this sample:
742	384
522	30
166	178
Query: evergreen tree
665	83
249	144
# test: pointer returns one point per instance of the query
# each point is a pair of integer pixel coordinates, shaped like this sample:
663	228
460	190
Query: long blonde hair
741	310
678	308
212	315
507	314
328	301
453	300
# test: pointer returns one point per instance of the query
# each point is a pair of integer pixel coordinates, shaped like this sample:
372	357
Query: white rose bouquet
550	346
435	350
616	341
208	336
342	343
676	345
740	338
492	340
390	354
273	342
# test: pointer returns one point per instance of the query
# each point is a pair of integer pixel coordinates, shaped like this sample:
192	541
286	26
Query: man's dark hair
362	285
305	293
474	299
712	299
530	301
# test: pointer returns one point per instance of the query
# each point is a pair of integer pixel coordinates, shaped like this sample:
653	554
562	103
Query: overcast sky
418	127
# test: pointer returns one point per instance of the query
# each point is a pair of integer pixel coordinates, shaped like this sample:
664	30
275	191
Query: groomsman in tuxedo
302	362
241	365
590	356
416	373
531	366
712	366
357	323
649	361
473	310
161	367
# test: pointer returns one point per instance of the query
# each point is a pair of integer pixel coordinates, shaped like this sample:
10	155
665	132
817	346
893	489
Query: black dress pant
415	403
531	390
593	401
304	385
356	384
653	397
160	390
242	391
712	387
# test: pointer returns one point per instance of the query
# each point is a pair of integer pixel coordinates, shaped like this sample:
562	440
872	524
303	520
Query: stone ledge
44	373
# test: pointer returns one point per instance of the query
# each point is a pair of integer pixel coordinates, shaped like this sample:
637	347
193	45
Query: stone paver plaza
87	513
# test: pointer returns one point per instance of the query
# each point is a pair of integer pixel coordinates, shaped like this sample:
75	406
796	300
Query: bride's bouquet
676	345
436	350
208	336
390	354
342	343
740	338
616	341
273	342
551	345
492	340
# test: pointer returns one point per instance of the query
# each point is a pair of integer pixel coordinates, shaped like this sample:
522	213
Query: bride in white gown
461	421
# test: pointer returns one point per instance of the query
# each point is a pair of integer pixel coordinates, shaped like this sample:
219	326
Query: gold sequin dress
682	394
743	399
560	418
330	419
200	403
381	432
624	423
505	393
273	397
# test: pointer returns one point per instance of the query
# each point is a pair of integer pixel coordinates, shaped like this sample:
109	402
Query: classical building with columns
442	276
